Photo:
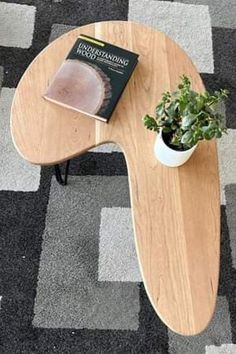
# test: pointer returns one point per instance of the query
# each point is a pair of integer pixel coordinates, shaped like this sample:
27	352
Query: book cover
92	77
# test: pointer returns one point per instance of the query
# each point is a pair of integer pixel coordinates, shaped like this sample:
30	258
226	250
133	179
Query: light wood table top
176	211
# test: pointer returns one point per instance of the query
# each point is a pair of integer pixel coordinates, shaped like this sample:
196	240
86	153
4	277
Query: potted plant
182	119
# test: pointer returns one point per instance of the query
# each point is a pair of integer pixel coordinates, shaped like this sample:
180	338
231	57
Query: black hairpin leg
59	177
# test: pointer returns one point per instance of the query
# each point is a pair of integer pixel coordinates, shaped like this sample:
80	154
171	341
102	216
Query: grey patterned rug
69	280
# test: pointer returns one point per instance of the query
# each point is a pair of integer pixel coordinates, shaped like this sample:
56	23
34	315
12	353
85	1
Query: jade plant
186	117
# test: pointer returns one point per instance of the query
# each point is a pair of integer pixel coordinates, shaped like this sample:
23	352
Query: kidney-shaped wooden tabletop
176	211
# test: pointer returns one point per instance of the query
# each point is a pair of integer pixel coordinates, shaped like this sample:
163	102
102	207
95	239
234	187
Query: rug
69	279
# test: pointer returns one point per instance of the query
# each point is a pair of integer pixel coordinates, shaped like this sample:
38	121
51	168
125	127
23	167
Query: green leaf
200	103
150	123
218	134
188	108
188	120
166	130
160	109
166	96
174	126
202	115
205	128
197	134
193	95
182	105
175	140
170	111
208	134
167	122
187	137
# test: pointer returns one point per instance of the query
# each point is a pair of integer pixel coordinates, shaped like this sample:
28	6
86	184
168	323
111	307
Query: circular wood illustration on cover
81	86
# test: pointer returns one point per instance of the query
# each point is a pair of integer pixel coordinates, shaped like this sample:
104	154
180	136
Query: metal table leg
58	174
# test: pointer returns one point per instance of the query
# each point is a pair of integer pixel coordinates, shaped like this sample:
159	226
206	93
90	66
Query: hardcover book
92	77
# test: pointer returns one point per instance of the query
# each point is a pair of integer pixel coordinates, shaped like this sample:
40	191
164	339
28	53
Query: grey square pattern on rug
68	292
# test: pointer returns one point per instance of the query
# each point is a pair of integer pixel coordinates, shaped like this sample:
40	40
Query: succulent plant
186	117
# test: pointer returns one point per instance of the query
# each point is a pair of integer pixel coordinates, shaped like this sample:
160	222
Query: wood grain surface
176	211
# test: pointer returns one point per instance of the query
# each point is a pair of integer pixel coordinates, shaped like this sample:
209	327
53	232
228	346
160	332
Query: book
92	77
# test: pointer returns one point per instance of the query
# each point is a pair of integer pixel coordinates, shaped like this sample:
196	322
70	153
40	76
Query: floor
69	279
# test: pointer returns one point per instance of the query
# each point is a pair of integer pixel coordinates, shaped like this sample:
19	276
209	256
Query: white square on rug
223	349
117	255
16	174
188	25
17	25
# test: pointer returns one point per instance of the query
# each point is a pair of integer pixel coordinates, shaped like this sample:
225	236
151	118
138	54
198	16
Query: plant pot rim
178	151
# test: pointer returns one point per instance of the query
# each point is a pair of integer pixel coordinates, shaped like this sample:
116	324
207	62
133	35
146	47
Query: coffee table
176	211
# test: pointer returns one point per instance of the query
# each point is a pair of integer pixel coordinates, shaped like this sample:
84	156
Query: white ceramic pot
168	156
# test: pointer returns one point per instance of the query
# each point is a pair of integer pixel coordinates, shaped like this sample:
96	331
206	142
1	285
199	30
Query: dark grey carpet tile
227	285
224	48
21	228
111	164
232	306
226	271
80	12
43	24
152	336
224	40
13	213
1	76
153	332
15	61
231	297
230	194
